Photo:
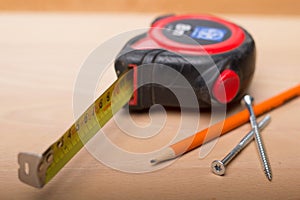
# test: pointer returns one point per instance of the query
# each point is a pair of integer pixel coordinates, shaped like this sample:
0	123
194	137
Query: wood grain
280	7
41	55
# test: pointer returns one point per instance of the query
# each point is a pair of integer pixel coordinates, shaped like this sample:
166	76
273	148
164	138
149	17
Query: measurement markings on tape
37	170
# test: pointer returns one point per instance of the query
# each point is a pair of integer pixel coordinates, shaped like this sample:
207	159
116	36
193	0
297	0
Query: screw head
218	167
248	99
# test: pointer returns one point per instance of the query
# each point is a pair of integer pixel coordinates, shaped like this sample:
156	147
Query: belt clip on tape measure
230	48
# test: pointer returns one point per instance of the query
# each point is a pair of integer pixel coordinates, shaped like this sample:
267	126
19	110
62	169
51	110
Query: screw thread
263	156
266	165
244	142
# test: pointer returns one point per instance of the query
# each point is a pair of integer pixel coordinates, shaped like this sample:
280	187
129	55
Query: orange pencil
225	126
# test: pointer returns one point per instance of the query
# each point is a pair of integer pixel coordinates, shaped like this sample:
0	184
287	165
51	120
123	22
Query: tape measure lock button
226	86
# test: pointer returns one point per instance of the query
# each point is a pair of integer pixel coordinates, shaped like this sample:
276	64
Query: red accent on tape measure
228	82
133	100
236	38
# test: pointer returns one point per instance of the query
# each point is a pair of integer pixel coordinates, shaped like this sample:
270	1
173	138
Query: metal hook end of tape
30	171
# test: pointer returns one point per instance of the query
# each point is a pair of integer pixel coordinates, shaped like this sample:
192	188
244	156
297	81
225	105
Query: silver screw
263	156
218	166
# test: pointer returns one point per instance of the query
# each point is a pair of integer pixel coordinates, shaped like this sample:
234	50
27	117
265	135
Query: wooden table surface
41	55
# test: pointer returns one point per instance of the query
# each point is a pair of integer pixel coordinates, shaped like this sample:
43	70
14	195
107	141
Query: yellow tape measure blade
37	170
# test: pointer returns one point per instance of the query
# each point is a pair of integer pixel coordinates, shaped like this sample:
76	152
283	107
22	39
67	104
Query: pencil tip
153	161
164	155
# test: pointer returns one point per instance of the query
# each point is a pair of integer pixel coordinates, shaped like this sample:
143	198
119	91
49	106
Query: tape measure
231	48
192	45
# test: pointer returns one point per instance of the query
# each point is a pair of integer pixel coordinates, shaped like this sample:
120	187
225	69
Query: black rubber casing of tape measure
230	47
